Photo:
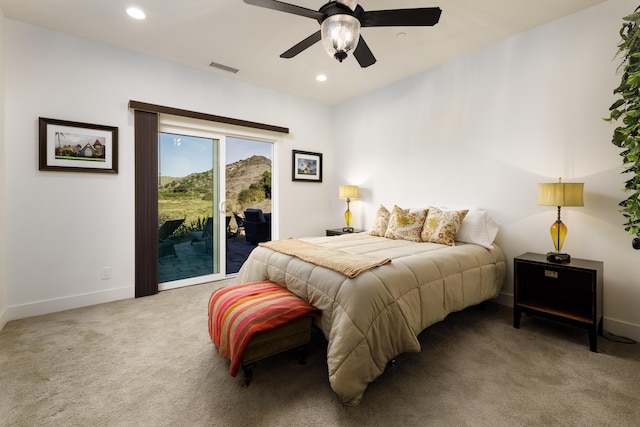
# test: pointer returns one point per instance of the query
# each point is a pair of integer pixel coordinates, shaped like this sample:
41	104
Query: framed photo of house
77	147
307	166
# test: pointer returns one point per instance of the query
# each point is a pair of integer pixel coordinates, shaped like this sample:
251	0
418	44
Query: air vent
223	67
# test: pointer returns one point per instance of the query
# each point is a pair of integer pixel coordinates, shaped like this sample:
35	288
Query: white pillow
478	228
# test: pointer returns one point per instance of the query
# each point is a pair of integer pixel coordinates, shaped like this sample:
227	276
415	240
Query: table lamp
560	194
348	192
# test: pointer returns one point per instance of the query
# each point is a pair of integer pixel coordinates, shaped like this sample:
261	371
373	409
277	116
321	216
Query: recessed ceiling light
135	13
321	77
401	35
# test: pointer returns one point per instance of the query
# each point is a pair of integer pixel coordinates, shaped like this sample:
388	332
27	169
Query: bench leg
248	374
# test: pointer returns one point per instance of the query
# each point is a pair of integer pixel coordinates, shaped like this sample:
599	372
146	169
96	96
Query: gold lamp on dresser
560	194
348	192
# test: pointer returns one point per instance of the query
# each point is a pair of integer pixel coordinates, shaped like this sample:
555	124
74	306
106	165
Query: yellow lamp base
347	218
558	233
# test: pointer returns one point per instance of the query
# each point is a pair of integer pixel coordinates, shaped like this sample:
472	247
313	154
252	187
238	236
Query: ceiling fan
340	23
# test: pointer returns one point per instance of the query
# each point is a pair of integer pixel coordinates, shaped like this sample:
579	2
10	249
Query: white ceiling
249	38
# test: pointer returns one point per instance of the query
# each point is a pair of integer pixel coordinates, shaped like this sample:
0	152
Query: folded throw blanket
343	262
237	312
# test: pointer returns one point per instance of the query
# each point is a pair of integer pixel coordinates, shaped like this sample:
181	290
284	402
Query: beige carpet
149	362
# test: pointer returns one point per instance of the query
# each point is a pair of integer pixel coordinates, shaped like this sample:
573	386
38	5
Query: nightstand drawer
569	280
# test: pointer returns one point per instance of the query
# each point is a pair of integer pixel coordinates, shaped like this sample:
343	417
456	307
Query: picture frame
307	166
67	146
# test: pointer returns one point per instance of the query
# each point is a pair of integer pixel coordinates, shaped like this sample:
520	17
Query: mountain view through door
248	207
202	233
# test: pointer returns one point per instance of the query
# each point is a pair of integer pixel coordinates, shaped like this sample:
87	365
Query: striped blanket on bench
237	312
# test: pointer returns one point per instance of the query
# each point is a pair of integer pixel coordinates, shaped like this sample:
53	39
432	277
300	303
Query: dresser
566	292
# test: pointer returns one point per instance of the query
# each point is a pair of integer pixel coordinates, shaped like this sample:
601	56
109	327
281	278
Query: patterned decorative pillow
381	222
442	226
393	219
405	224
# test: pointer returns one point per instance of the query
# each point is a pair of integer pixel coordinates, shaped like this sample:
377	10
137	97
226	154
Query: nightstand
568	292
338	231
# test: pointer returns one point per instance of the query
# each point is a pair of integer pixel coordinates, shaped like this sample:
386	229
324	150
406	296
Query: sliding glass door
214	203
191	246
248	194
185	231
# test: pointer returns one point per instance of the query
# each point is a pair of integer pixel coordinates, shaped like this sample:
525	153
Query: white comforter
370	319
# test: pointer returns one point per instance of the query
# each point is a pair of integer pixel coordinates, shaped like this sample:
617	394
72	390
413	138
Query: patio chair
257	226
165	243
239	224
206	235
228	225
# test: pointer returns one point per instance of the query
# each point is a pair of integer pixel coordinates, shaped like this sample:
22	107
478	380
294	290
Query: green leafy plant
627	110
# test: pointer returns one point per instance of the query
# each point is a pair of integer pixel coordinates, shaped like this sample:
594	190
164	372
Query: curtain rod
154	108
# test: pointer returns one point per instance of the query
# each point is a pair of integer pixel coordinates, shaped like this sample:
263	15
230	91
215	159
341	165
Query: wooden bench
253	321
294	334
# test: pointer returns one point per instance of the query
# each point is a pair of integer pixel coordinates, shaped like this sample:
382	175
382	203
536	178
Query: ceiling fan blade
308	42
286	7
418	17
363	54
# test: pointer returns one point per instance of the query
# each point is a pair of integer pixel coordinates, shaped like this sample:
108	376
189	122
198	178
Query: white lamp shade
340	33
349	192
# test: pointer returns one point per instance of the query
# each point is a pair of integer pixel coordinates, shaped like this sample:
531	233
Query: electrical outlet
106	273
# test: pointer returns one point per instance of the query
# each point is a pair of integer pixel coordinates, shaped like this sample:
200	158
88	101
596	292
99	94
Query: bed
371	318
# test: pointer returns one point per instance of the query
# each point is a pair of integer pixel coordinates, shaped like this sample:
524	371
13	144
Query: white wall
483	130
3	261
64	227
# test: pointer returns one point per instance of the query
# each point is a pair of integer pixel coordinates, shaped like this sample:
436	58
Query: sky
182	155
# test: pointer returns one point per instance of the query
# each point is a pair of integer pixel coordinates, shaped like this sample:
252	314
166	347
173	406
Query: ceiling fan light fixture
340	35
340	22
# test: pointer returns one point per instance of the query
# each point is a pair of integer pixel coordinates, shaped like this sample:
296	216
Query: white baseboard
67	303
615	326
622	328
4	318
504	299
